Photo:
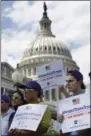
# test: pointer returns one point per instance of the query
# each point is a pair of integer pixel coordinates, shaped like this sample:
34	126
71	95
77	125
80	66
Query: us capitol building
46	48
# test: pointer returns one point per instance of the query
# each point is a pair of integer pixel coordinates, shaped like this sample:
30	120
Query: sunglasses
15	98
29	90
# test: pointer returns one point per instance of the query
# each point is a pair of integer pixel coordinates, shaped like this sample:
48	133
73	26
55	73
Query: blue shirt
5	122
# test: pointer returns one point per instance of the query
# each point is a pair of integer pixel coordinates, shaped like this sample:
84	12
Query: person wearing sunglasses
32	96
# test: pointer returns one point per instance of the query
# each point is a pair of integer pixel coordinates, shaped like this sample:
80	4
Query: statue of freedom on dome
45	7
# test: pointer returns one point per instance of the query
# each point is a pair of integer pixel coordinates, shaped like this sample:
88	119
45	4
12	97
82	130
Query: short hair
21	95
79	77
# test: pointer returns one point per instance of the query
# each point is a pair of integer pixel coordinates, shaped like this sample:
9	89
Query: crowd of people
33	95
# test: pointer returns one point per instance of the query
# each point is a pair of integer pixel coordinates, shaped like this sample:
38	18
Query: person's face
72	83
30	95
16	99
4	105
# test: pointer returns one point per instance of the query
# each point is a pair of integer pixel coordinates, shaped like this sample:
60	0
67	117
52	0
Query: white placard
28	117
51	75
76	111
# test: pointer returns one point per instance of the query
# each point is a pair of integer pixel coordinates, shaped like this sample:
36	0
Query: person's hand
63	89
60	118
25	133
19	132
14	132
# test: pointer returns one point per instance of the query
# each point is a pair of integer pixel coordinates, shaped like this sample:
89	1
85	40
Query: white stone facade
6	80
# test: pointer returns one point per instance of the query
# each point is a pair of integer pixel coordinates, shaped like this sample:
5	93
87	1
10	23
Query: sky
70	24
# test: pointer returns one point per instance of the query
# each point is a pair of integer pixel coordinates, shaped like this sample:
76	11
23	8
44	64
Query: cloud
22	13
82	57
13	45
70	23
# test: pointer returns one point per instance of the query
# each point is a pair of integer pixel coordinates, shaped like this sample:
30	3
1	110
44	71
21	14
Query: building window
54	48
47	95
45	48
41	48
41	26
2	68
36	49
53	94
58	50
67	70
6	91
8	71
33	71
60	95
24	72
62	50
50	50
49	47
45	25
29	72
2	90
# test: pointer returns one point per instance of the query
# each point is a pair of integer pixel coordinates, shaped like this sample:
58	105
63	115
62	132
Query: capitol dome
46	45
45	48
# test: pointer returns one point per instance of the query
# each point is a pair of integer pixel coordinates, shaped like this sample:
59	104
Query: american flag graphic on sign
76	101
47	67
48	83
75	122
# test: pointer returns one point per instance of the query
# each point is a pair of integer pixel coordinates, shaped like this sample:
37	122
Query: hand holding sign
60	118
63	90
19	132
76	112
28	117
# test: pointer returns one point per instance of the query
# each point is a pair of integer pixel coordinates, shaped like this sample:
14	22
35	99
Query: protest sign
76	111
51	75
28	117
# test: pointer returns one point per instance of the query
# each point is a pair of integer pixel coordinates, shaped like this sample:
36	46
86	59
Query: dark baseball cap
34	85
78	75
5	98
